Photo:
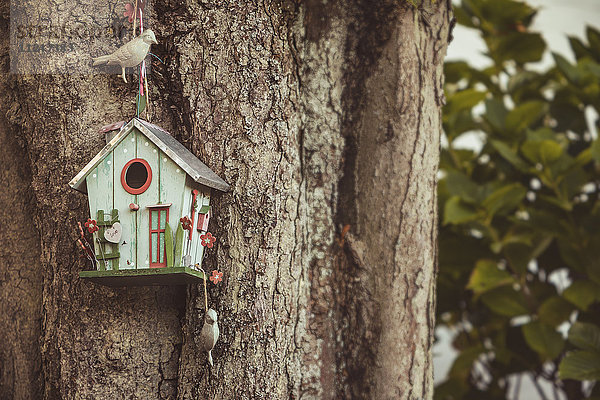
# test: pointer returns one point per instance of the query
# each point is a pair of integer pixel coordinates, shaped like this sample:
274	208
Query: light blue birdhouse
149	200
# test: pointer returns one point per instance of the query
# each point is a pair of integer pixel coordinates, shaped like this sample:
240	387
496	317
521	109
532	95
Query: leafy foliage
522	212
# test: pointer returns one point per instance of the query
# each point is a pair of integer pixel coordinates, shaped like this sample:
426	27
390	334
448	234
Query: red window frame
158	231
203	220
194	199
146	184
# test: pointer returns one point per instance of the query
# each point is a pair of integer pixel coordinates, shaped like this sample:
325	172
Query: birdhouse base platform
144	276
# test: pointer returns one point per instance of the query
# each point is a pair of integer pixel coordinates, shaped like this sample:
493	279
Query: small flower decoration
216	277
207	240
129	10
186	223
92	225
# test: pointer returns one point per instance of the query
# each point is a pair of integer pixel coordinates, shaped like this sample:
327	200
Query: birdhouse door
158	221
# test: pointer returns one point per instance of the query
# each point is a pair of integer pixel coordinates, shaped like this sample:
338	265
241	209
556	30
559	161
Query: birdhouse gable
186	160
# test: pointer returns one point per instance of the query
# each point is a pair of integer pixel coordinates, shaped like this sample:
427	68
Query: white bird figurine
210	333
130	54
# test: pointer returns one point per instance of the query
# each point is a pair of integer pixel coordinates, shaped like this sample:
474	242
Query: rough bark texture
20	270
325	120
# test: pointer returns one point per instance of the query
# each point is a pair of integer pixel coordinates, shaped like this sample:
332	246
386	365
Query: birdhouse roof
184	158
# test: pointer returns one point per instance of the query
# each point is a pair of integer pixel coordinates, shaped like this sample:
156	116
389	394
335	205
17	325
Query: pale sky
555	20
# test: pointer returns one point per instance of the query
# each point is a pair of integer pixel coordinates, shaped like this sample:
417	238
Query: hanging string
143	75
101	250
155	56
198	267
205	293
143	85
135	7
204	275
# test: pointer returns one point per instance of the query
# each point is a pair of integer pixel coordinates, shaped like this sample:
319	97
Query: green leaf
455	124
572	254
581	293
504	199
580	365
565	109
591	70
593	37
453	388
530	150
518	47
460	261
458	212
487	276
543	339
595	149
579	48
566	68
495	113
544	152
571	177
585	336
518	255
541	134
509	155
461	368
506	12
585	156
464	100
525	115
554	311
520	79
461	185
463	17
549	151
454	71
505	301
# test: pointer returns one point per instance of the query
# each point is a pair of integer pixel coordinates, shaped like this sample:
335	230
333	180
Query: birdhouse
149	200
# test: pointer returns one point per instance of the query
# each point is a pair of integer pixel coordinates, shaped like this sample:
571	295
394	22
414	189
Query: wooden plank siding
186	210
100	194
203	200
125	151
149	152
172	190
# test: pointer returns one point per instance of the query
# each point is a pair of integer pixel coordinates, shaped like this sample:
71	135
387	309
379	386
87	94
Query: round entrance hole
136	176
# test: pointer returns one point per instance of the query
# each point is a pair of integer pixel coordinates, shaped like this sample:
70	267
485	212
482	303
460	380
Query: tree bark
20	278
325	121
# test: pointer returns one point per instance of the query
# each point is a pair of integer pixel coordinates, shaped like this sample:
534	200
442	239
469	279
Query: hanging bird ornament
130	54
210	333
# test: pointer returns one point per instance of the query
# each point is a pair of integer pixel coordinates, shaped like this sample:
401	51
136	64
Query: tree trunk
325	121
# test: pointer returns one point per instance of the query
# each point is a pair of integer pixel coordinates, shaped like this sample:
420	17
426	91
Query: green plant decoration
169	245
178	245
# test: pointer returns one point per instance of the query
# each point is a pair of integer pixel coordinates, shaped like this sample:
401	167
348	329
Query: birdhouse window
159	217
136	176
203	218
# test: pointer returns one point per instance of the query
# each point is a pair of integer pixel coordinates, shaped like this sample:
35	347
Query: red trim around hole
145	186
